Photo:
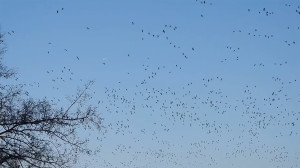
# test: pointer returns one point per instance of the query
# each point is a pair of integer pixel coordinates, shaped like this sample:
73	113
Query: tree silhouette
35	133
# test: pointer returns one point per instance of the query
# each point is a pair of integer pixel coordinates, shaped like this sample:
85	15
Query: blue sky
226	95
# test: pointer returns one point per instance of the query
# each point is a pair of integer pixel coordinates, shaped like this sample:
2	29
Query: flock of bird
195	123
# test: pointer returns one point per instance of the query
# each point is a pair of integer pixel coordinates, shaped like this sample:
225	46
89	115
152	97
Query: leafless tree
36	133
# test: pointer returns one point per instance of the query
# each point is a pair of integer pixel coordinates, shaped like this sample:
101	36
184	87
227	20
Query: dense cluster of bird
255	33
206	118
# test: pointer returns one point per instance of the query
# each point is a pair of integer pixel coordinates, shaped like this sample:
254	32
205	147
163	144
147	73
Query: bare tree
35	133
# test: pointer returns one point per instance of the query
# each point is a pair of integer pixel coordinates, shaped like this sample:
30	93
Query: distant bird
77	57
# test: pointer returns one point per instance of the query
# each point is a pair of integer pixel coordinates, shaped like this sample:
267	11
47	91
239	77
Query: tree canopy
36	133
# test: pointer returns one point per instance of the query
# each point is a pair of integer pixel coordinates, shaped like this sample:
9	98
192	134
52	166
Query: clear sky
179	83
